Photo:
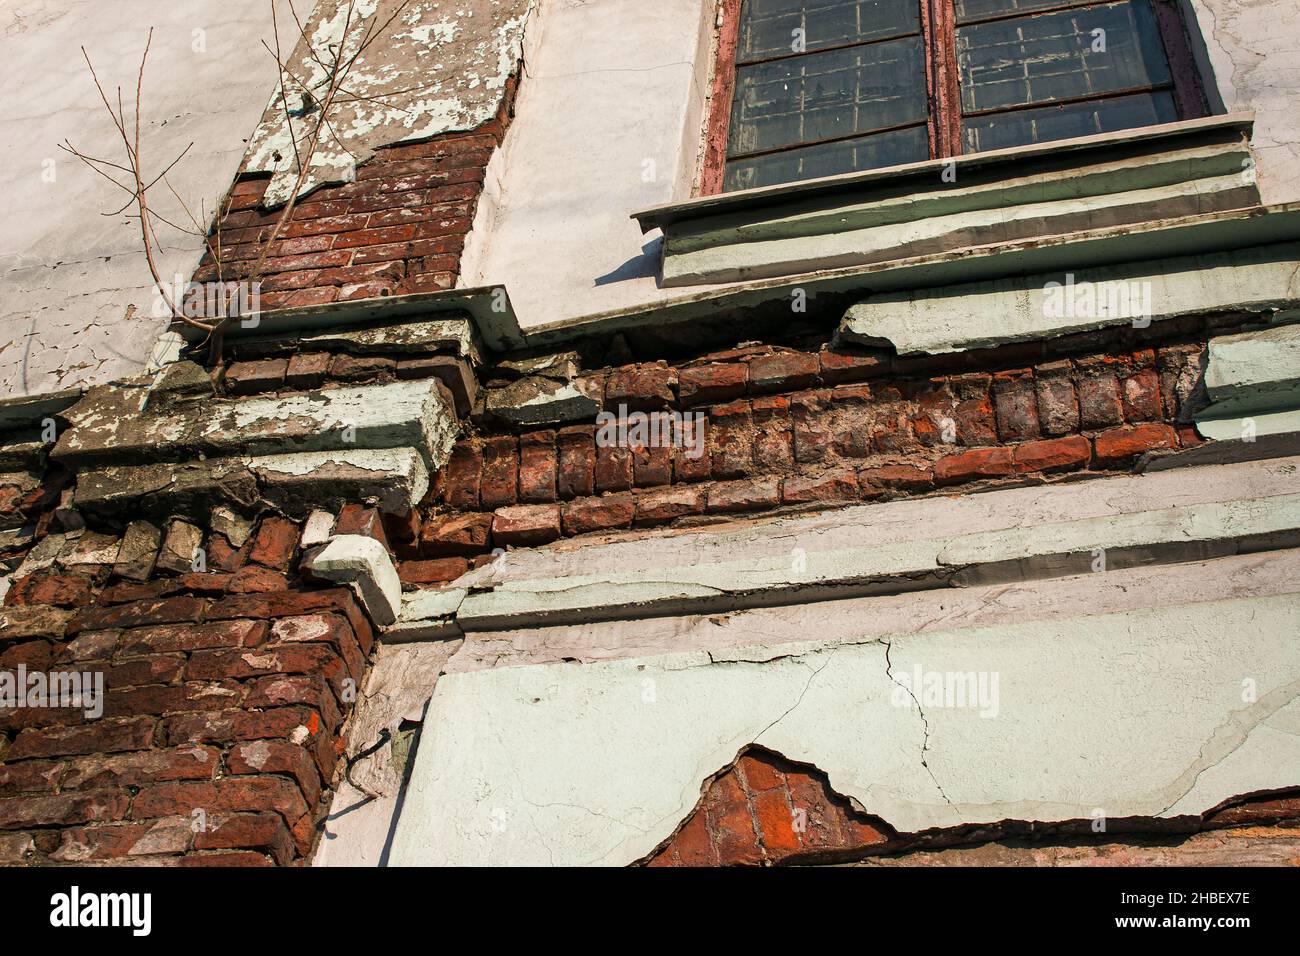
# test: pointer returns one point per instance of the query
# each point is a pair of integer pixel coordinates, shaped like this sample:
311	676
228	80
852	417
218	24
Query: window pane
767	26
822	95
1049	57
1004	130
828	159
967	10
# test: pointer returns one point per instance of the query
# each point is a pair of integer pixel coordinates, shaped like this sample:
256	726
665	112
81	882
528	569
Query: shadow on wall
643	266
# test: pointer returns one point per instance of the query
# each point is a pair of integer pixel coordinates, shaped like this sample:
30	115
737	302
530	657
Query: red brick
260	831
162	611
101	736
576	472
361	368
691	459
759	774
463	470
838	485
231	794
597	514
264	375
848	365
1141	396
280	690
275	543
464	535
776	824
59	590
974	420
30	775
613	471
140	769
164	638
538	464
970	465
1058	408
692	843
1120	444
730	496
499	485
1099	400
1053	454
278	604
276	756
709	384
732	824
782	371
52	810
362	520
660	507
641	387
731	440
526	526
254	579
159	699
1016	406
437	571
652	465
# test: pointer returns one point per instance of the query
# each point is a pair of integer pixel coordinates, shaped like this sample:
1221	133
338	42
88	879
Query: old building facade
706	432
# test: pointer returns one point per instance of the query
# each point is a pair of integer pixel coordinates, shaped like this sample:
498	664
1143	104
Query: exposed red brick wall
789	429
225	694
399	228
765	810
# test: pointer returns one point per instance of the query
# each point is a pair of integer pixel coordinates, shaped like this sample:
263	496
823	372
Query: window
808	88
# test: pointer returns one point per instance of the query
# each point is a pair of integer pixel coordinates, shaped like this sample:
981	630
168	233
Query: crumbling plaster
438	66
1251	45
1142	713
76	302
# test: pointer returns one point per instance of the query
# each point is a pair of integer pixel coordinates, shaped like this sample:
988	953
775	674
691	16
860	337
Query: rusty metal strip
1189	92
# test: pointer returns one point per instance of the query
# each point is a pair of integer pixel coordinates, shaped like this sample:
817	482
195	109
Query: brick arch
763	810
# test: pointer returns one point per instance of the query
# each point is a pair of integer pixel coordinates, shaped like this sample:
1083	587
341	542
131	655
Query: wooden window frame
944	115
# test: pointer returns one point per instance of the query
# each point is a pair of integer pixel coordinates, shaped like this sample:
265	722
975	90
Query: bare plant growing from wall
311	104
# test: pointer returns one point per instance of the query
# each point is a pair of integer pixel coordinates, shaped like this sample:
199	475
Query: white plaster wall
1142	711
1252	46
609	86
75	293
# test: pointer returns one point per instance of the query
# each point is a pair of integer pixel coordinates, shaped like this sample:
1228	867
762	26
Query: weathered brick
463	535
276	756
435	571
262	375
1053	454
139	769
463	472
669	504
709	384
63	809
846	364
641	387
275	543
613	471
973	464
1058	408
782	371
1099	400
164	638
261	831
499	484
1141	396
537	467
307	369
576	475
838	485
730	496
1015	405
597	514
101	736
232	794
525	526
59	590
1120	444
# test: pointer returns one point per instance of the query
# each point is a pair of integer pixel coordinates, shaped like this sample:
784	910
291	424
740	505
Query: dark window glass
1058	56
821	87
1004	130
821	96
829	159
768	27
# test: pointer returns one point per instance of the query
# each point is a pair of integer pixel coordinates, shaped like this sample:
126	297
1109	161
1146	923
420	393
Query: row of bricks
776	433
259	839
196	803
449	540
764	370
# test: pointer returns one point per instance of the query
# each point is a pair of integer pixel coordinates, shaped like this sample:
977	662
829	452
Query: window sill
1189	168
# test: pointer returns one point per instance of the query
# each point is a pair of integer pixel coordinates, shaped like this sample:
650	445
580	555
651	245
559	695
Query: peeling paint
438	67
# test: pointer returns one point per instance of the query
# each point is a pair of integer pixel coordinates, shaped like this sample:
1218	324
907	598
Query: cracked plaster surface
76	302
1136	713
